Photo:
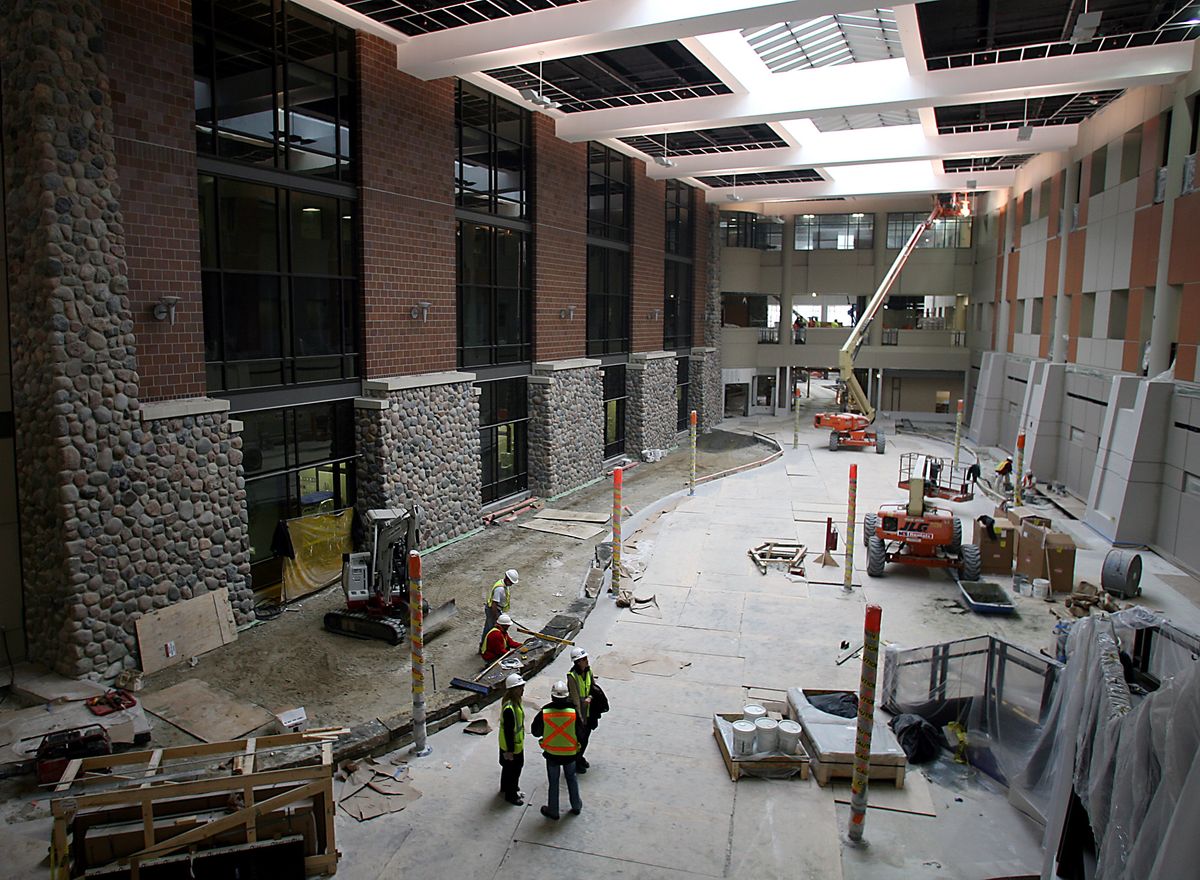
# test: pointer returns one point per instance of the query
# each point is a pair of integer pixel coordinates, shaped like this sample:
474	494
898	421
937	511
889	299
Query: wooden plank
582	531
194	627
206	712
69	774
591	516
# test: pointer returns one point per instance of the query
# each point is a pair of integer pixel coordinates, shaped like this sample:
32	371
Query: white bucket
743	737
1041	588
768	734
789	737
752	712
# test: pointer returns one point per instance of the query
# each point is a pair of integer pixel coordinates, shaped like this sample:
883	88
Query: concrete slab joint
566	425
419	444
650	409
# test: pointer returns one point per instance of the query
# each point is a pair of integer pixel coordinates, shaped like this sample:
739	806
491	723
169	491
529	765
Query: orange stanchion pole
866	723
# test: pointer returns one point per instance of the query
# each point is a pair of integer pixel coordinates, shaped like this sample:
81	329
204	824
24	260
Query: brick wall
560	250
150	45
406	215
647	241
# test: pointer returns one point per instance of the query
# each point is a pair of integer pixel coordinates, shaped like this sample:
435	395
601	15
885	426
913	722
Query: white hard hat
577	654
513	576
514	680
559	689
503	620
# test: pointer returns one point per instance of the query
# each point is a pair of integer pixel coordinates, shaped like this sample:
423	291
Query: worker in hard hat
555	725
497	641
496	601
579	684
512	739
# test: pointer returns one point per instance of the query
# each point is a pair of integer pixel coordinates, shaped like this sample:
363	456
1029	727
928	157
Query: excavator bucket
438	618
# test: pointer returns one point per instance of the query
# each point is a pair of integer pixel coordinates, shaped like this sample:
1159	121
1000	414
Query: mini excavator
375	583
851	426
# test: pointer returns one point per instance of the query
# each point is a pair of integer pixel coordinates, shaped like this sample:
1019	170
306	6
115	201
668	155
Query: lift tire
870	523
971	563
880	443
833	441
877	556
955	544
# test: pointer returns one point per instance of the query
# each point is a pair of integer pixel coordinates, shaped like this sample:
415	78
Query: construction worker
497	641
498	599
579	683
555	726
512	739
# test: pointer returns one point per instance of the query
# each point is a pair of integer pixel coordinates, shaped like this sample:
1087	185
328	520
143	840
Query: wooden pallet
134	809
737	765
787	554
840	765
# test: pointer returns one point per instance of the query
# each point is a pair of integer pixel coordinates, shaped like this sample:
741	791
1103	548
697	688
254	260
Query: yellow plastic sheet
319	542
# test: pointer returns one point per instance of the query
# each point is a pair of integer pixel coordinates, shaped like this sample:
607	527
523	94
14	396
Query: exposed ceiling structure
788	100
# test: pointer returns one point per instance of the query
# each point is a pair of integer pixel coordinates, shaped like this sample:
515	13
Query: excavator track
360	625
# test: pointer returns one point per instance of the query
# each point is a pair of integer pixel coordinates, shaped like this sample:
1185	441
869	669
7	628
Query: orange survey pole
1018	500
416	631
692	432
850	527
866	723
958	431
618	479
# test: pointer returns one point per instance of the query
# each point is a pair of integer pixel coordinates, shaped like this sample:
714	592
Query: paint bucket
1041	588
1122	574
789	737
743	738
768	734
752	712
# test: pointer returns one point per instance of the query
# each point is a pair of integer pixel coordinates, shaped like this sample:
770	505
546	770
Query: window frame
816	232
492	424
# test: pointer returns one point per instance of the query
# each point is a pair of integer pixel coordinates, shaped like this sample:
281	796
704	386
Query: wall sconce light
165	309
654	315
420	310
568	313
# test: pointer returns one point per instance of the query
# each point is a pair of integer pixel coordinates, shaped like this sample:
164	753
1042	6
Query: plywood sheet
185	629
206	712
592	516
582	531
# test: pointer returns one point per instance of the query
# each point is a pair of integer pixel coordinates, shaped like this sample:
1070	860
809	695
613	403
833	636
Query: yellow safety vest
507	595
558	732
582	682
518	713
483	644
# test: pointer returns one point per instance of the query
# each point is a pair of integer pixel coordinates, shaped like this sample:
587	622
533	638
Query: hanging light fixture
665	160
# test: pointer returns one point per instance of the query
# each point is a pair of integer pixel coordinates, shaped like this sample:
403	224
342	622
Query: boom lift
375	583
850	428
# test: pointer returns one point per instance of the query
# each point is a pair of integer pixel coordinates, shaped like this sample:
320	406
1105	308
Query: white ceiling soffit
883	86
904	144
842	38
597	26
896	178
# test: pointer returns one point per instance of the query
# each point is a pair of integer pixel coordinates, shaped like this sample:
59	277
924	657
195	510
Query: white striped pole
416	631
866	723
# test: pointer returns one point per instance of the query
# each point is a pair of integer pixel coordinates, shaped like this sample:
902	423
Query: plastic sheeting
318	542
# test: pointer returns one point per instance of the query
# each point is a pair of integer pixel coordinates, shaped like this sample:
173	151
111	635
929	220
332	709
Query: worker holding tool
579	683
497	642
555	725
512	739
498	599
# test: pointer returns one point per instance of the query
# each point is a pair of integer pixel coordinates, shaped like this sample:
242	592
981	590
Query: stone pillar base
650	406
706	394
566	425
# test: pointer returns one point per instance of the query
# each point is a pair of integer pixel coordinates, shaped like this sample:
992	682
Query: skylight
845	38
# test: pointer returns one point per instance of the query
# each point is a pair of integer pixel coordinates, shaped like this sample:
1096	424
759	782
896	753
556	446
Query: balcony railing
768	335
1189	173
1160	185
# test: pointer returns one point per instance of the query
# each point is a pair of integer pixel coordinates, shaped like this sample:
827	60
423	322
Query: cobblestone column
418	439
712	303
650	405
566	425
705	390
103	488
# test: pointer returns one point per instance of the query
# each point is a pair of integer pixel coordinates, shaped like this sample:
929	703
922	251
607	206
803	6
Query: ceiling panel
732	139
415	17
828	40
846	122
795	175
984	163
1035	112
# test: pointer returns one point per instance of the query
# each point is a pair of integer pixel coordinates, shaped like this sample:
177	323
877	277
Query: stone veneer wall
706	394
712	291
418	439
103	538
566	425
650	413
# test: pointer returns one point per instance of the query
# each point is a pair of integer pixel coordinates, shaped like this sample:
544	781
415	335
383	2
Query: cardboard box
1042	553
1018	516
996	554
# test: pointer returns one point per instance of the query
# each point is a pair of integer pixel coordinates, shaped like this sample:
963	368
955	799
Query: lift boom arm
850	349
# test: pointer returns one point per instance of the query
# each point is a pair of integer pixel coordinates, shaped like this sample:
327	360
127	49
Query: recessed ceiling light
310	210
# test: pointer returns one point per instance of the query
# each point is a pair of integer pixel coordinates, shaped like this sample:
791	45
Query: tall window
297	461
278	276
749	230
503	418
614	410
274	87
682	383
946	232
835	232
608	251
677	269
495	286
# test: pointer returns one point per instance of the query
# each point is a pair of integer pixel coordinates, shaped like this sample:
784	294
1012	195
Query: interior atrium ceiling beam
584	28
910	38
867	146
879	86
730	57
897	178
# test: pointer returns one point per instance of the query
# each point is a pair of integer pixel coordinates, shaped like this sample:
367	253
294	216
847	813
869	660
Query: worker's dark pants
568	770
510	775
583	733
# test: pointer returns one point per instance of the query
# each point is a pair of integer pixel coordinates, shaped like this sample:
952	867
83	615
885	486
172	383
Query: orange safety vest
558	733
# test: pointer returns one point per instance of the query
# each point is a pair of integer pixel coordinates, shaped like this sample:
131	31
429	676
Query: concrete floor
658	802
